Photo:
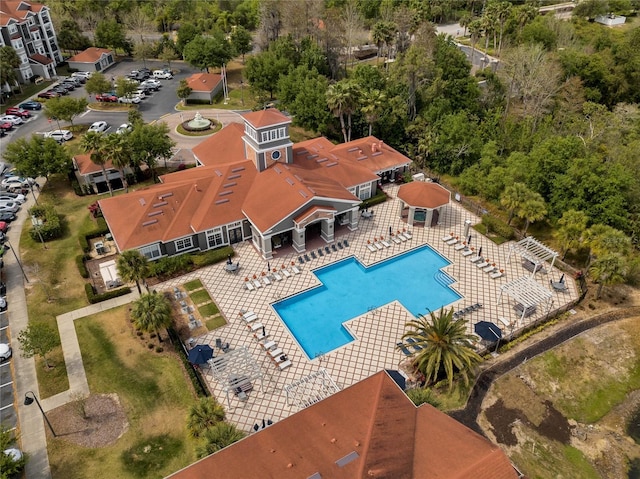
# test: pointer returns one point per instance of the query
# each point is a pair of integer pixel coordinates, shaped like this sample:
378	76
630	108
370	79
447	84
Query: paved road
469	415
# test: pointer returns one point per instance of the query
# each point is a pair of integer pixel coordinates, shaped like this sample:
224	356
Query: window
184	243
214	237
151	252
13	29
272	135
365	192
251	132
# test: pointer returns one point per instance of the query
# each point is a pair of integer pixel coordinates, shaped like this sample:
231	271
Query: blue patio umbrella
200	354
487	331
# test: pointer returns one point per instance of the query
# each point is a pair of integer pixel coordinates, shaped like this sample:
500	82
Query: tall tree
142	51
183	91
110	34
38	339
150	143
133	266
513	198
168	54
241	41
38	156
204	414
9	61
118	150
151	313
608	270
570	230
97	84
533	209
65	108
373	103
446	347
94	144
208	52
264	70
342	99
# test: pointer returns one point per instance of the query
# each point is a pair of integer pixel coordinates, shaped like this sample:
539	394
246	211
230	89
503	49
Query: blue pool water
315	317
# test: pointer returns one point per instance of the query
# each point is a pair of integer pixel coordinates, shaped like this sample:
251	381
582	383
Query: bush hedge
82	266
98	298
380	197
497	226
197	382
172	266
100	230
51	224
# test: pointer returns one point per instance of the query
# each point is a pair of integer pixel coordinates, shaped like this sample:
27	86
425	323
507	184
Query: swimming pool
349	289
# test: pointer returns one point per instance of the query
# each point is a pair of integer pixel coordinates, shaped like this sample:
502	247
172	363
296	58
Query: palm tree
218	437
503	10
465	19
604	240
533	209
133	266
373	102
118	151
94	144
151	312
513	197
608	270
342	98
570	229
205	414
446	346
475	30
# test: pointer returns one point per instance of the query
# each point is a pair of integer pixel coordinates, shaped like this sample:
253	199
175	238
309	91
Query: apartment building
28	29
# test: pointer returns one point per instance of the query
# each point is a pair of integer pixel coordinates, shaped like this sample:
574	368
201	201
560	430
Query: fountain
199	123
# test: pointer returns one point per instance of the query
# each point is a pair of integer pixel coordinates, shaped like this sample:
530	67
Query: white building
28	29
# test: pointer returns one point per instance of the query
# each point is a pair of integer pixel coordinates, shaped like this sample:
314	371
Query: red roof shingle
90	55
204	82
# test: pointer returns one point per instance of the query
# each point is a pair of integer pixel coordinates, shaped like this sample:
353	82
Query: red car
3	227
18	112
48	94
5	125
107	97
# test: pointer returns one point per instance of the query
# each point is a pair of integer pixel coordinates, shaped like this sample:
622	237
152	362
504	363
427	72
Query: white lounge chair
277	276
497	274
467	252
378	245
275	352
408	234
371	248
395	239
490	269
255	327
449	237
259	336
295	269
402	237
257	283
451	242
267	345
484	264
249	285
385	243
286	273
284	365
250	318
459	246
266	280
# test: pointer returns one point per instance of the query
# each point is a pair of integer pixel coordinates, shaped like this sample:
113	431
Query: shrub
159	349
97	298
51	224
195	380
212	256
100	230
380	197
82	266
497	226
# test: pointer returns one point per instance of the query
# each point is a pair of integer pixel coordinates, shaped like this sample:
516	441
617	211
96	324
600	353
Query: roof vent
304	195
225	193
297	177
311	157
377	153
301	152
352	456
142	201
233	177
350	150
315	475
218	172
149	223
333	163
360	158
290	181
235	170
162	203
155	213
165	195
277	170
229	185
225	200
322	160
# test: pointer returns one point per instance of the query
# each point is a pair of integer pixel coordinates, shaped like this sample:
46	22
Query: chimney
381	144
374	147
360	152
195	186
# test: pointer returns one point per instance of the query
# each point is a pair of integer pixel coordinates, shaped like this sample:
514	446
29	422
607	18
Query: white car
163	75
17	198
140	93
5	351
59	135
82	74
13	119
18	179
13	208
124	128
99	126
151	83
129	99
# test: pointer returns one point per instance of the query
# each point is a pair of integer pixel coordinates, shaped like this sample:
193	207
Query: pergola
235	369
527	294
534	251
311	389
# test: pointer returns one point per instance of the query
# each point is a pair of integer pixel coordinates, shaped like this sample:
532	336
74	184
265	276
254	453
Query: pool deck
377	331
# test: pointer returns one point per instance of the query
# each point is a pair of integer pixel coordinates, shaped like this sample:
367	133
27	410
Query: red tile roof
90	55
226	146
204	82
41	59
87	167
9	10
424	194
268	117
376	424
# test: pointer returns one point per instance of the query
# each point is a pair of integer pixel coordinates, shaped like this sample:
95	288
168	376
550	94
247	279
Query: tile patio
377	331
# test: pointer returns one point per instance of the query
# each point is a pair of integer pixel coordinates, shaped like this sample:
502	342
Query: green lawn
154	392
199	297
193	285
215	323
208	310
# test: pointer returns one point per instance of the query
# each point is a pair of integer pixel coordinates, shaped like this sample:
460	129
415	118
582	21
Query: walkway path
78	384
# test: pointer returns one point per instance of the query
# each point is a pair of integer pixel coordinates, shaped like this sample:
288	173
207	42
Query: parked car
162	74
3	301
14	110
48	94
68	85
151	83
13	119
124	128
3	289
59	135
82	74
107	97
5	353
7	216
129	99
99	126
31	105
61	89
141	92
5	126
4	226
77	81
3	133
18	198
10	208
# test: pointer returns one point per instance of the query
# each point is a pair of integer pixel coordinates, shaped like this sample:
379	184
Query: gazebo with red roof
424	201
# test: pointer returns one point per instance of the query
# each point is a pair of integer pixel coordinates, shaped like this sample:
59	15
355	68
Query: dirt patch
97	421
